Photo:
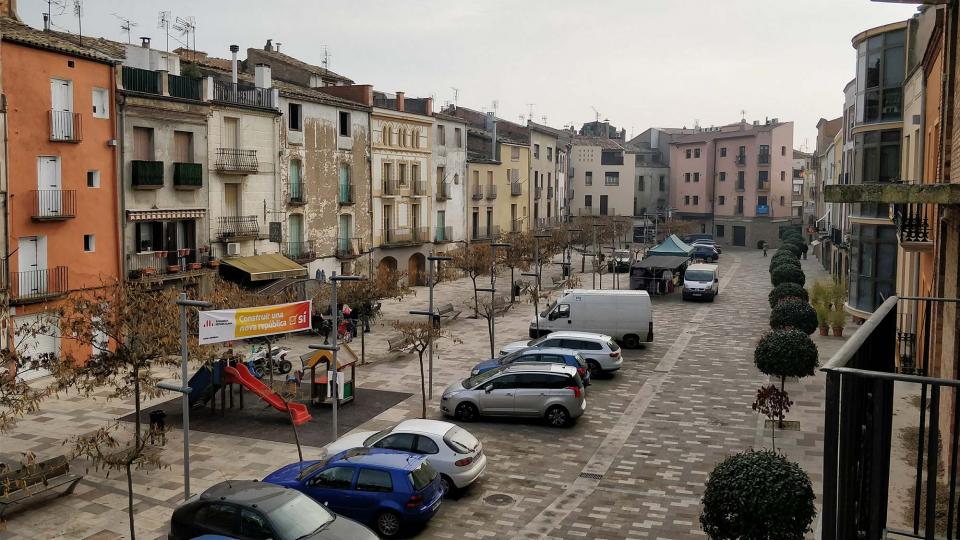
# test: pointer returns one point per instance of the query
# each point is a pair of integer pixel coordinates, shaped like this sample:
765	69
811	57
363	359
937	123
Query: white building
449	181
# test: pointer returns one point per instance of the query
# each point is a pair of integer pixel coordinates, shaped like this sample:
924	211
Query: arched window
403	137
416	138
387	135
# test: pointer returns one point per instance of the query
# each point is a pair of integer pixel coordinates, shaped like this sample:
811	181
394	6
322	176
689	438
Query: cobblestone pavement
633	467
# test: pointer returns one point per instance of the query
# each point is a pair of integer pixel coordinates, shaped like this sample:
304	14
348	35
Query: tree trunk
363	350
476	298
513	297
423	388
137	448
133	533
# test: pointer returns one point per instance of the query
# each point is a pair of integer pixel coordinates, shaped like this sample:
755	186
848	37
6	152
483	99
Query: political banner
219	325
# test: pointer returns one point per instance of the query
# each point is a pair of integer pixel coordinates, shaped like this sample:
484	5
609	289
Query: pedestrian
764	248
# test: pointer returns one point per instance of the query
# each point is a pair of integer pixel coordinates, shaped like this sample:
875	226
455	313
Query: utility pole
434	317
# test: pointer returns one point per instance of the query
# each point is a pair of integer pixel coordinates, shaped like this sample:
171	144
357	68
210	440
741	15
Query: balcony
486	233
738	210
65	126
177	263
295	196
491	192
390	188
877	453
477	192
537	193
300	251
892	193
344	194
141	80
54	204
740	185
763	185
405	236
237	161
187	175
516	188
146	174
349	248
443	191
740	159
516	225
549	192
238	94
762	210
913	227
420	188
232	228
763	158
442	234
38	285
184	87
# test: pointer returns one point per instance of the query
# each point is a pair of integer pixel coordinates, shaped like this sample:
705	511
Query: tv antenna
61	5
456	94
78	12
544	118
495	104
325	62
520	116
596	114
743	115
163	22
187	26
125	25
530	115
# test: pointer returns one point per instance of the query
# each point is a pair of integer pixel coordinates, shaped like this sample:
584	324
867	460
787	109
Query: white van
701	281
626	316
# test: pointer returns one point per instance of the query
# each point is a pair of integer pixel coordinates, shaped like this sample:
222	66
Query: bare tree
518	255
418	335
473	261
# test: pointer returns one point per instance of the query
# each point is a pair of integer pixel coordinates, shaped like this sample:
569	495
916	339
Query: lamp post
334	375
568	256
536	254
536	306
434	319
596	250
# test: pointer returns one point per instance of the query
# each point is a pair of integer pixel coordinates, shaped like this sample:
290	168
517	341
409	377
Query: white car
451	450
599	350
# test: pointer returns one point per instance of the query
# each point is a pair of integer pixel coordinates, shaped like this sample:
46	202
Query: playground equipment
319	363
208	380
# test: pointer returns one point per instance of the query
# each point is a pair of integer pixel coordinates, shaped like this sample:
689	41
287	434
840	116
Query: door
346	233
333	487
531	393
36	337
231	137
183	146
441	224
499	400
61	109
739	235
373	485
49	197
387	222
603	205
32	263
295	235
231	200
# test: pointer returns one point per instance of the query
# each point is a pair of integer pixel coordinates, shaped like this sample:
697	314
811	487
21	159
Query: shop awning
662	262
265	267
164	215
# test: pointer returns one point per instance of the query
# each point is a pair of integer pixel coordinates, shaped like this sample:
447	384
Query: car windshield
580	360
300	517
308	470
422	475
477	380
549	307
698	275
460	440
613	346
378	435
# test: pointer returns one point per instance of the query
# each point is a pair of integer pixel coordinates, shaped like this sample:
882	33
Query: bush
795	313
786	290
786	353
757	495
785	258
793	248
784	273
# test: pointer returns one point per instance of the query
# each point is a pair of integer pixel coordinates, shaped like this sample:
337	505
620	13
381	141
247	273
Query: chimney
8	8
46	22
145	42
261	76
491	125
400	101
233	63
269	45
429	106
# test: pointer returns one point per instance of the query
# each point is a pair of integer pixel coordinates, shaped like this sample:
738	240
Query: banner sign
221	325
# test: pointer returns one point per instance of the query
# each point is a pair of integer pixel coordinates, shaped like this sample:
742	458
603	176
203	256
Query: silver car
553	392
599	350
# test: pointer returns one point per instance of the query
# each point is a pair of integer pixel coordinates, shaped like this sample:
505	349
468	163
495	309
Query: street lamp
568	256
434	318
334	374
493	275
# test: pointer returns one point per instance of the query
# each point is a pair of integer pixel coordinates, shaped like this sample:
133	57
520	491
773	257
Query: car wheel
467	412
557	416
387	524
450	489
631	341
594	368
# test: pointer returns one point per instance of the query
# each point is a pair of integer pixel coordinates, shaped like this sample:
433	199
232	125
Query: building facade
449	182
543	172
602	179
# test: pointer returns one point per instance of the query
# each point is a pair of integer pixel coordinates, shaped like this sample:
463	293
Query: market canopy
266	267
664	262
672	246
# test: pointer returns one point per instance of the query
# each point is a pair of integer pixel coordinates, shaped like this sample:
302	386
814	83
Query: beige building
601	177
543	172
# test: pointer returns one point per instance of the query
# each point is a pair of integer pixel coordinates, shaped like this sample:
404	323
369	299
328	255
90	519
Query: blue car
567	357
386	488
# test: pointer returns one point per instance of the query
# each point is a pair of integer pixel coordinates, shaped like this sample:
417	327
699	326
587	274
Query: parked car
619	261
549	391
599	350
554	356
701	281
257	511
451	450
385	488
706	242
627	316
691	238
707	253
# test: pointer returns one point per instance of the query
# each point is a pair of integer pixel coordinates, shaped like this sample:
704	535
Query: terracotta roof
309	94
729	131
201	58
603	142
543	128
300	64
17	32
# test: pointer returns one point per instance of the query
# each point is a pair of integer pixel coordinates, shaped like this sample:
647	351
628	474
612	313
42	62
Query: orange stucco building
62	228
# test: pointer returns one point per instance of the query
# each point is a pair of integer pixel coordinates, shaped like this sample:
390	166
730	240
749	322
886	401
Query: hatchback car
252	510
455	453
385	488
550	391
557	355
619	261
706	242
701	251
599	350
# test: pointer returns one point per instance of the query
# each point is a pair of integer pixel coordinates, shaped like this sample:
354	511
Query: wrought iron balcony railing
913	226
239	94
349	248
298	251
516	188
390	187
477	192
406	235
491	191
141	80
184	87
54	204
740	159
420	188
237	160
231	228
443	191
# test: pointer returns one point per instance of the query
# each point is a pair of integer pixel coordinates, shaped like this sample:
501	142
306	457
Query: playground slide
241	375
201	386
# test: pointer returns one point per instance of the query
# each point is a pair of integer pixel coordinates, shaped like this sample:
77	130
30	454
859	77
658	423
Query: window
387	172
415	172
873	265
253	525
723	151
425	445
183	146
294	121
93	179
686	199
696	152
536	151
783	150
881	58
689	152
387	135
89	243
723	176
515	153
696	200
334	478
458	135
663	183
611	179
563	311
742	151
762	200
142	144
640	186
721	200
696	177
720	231
783	175
588	201
781	200
441	135
373	480
221	518
402	174
686	177
740	179
344	118
549	153
101	103
763	177
588	178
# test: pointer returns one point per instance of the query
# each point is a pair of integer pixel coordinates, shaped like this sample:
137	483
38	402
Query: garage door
739	235
30	346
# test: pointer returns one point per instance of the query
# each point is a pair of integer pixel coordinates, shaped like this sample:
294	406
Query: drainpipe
6	223
370	224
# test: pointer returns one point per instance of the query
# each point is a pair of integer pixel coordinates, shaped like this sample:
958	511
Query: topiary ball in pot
786	353
785	273
793	248
794	313
757	495
786	290
787	258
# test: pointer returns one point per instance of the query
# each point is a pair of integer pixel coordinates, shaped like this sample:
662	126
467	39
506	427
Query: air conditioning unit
233	249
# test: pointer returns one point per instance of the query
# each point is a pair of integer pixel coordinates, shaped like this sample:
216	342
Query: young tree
418	335
518	256
774	403
786	353
473	261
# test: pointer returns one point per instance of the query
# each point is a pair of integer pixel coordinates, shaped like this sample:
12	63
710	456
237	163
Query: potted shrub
837	318
794	313
195	266
786	290
787	273
183	252
149	270
820	300
757	494
837	294
786	353
823	318
213	262
792	248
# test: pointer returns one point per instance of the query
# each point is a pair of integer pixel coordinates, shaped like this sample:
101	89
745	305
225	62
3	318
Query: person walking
764	248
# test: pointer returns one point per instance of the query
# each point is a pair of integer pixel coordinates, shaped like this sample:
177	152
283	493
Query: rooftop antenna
50	3
544	119
456	94
125	25
78	11
326	58
186	26
596	114
530	116
520	116
163	22
495	104
743	115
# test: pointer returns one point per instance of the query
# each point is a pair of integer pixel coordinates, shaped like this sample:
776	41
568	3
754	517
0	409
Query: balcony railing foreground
912	221
861	446
38	285
239	94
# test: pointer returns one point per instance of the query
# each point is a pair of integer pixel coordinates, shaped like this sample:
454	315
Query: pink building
735	181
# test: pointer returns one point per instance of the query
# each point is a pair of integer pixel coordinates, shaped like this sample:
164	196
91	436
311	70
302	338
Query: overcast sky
640	63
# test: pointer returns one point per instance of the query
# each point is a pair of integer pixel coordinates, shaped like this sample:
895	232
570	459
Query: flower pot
824	330
149	270
213	263
183	252
195	266
837	331
173	268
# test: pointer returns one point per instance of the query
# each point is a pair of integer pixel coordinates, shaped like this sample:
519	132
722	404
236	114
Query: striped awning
164	215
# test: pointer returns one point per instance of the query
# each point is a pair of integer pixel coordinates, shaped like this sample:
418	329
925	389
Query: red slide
241	375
